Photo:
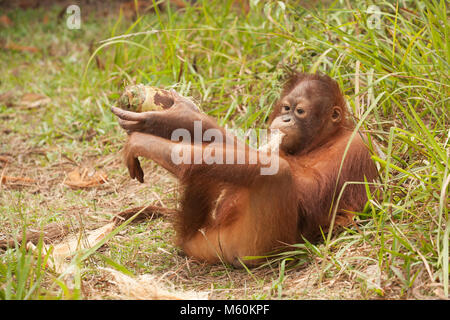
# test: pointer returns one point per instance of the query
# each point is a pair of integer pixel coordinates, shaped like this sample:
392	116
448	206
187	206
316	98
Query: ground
55	95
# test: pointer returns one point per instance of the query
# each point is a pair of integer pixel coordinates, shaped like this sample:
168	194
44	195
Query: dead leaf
85	178
33	100
5	21
6	179
5	159
7	98
18	47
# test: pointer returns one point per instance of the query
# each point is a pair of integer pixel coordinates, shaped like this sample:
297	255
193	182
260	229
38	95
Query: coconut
141	98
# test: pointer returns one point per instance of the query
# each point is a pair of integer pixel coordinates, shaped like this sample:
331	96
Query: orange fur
230	211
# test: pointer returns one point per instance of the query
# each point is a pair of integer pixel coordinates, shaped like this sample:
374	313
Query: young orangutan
231	210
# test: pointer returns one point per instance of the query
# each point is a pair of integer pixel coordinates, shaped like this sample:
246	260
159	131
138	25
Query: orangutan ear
336	116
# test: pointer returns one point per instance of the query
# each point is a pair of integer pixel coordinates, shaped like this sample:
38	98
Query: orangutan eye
285	108
300	111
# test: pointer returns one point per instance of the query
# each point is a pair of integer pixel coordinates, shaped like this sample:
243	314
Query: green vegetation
393	66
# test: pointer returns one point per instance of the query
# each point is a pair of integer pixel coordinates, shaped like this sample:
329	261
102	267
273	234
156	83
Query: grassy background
393	66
